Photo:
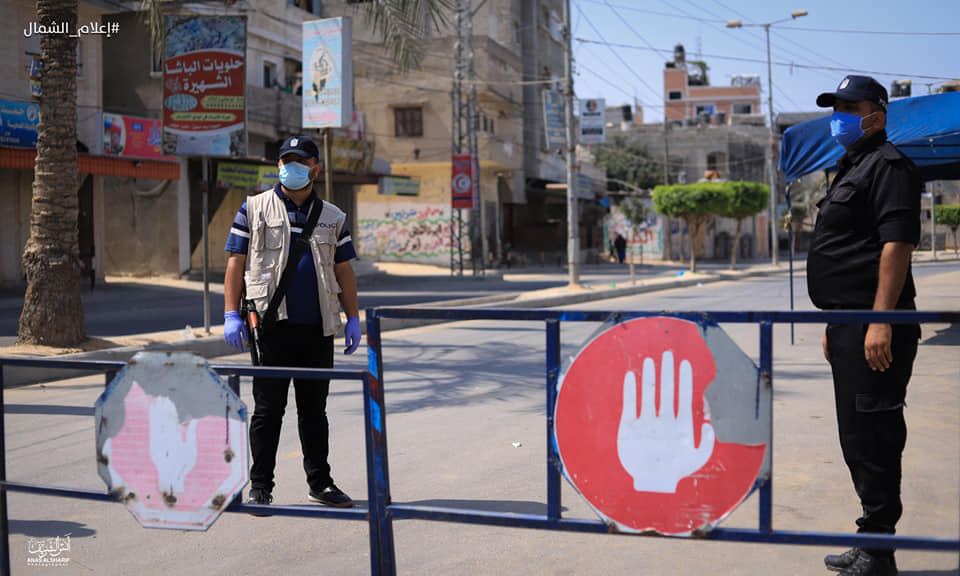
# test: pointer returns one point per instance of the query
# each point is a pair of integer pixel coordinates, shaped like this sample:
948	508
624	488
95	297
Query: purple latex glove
234	332
352	334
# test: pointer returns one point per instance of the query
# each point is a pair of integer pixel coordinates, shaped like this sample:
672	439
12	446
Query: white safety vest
269	225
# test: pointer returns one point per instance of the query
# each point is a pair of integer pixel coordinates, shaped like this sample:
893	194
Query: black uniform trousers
870	419
299	346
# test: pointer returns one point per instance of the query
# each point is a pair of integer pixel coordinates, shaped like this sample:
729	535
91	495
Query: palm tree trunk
736	244
52	310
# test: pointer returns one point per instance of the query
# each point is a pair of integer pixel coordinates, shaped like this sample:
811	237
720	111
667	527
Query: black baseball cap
302	146
853	89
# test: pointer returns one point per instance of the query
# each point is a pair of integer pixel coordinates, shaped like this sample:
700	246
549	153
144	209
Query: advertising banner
390	185
352	155
204	71
131	137
246	176
18	124
461	181
553	121
327	73
593	121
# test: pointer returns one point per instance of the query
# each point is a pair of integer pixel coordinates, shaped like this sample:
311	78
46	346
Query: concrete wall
15	194
140	231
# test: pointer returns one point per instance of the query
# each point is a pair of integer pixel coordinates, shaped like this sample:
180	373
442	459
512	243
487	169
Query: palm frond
152	16
402	24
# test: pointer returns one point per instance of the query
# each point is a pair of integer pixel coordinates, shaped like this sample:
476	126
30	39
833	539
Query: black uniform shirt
874	199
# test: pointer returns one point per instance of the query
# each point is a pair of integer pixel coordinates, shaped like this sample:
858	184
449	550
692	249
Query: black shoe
262	497
870	565
838	562
331	496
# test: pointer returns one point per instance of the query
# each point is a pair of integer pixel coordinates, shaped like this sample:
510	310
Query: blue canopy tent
925	128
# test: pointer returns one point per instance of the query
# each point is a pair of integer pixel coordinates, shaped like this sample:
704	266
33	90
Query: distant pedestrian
866	229
298	330
620	244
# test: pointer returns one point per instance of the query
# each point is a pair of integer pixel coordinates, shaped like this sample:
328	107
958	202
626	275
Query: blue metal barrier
382	511
553	520
233	374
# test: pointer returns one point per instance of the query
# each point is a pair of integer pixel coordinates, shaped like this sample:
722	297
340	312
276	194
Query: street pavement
125	315
466	422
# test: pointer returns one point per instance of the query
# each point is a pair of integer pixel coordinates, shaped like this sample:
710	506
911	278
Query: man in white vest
262	239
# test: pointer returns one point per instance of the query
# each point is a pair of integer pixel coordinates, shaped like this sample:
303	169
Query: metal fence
553	520
233	374
382	511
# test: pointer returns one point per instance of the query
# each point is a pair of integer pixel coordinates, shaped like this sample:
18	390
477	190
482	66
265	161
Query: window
516	32
741	108
707	109
675	95
311	6
156	60
269	74
408	122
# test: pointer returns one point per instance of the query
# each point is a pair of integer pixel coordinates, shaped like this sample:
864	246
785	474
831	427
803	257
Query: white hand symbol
657	450
173	456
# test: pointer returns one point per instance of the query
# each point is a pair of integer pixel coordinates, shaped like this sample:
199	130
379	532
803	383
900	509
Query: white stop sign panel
172	440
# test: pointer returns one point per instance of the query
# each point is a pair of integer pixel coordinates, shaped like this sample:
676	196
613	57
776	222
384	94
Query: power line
615	53
687	16
655	12
759	61
879	32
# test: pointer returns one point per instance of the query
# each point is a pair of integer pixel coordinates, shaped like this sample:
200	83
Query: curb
214	346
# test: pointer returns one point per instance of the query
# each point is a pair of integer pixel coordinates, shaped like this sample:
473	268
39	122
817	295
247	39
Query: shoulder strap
302	243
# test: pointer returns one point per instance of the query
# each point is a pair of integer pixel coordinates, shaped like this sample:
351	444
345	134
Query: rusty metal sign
172	440
662	425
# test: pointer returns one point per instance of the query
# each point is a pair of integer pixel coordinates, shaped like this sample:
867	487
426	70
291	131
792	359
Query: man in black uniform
866	229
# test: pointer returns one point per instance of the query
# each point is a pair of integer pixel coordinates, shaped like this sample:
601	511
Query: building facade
689	97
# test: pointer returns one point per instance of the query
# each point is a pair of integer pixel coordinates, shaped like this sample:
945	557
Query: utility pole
573	225
458	132
668	239
771	160
463	140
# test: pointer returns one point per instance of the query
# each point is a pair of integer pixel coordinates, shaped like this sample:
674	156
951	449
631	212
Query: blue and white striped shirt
303	297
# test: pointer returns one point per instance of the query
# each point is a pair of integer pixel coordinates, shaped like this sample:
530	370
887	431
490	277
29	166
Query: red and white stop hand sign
636	434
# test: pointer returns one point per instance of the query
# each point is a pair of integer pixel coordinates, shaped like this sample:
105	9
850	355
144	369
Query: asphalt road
466	424
122	308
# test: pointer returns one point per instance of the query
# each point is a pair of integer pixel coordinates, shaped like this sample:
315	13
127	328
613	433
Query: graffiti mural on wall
404	231
647	238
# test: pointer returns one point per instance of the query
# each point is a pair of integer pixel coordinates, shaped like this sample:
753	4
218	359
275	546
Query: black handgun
251	320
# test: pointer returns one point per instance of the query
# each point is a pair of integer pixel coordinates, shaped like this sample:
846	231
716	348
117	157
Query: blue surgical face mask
847	128
294	175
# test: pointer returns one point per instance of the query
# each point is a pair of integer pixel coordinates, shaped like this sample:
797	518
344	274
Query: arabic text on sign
203	117
222	102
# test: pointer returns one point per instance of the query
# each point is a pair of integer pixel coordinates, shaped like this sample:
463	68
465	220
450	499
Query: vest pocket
269	233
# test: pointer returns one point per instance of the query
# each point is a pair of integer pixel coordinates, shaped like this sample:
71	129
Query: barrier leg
382	557
766	379
553	457
4	524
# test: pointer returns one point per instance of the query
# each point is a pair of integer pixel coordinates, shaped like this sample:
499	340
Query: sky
618	64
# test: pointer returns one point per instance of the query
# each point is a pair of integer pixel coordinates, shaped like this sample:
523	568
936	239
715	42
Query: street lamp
771	161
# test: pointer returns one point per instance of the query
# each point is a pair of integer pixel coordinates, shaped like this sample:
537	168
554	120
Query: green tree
744	199
949	216
694	203
636	211
628	165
